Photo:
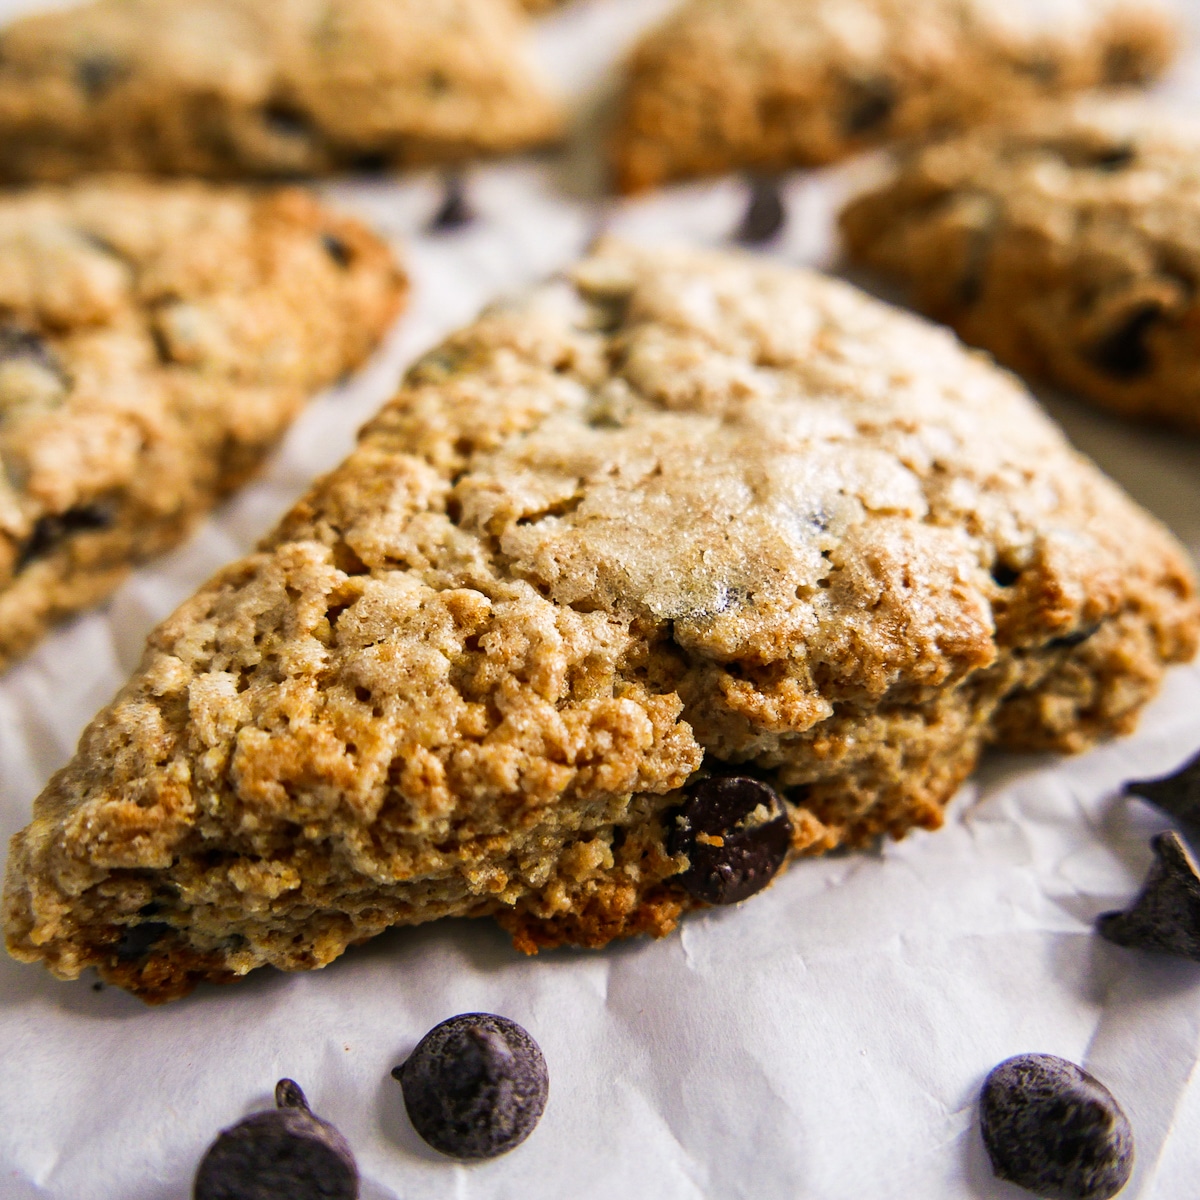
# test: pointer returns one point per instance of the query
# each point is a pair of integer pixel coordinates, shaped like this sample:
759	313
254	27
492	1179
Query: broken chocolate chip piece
1178	795
1052	1128
1165	915
475	1086
1123	354
283	1152
51	530
137	940
736	834
765	214
455	210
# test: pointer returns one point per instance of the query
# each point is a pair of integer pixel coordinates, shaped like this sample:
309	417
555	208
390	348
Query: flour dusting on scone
156	340
688	515
1067	243
280	88
771	84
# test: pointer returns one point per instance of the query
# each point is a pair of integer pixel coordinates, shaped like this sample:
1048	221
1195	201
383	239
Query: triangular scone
156	340
228	88
1066	242
771	84
691	513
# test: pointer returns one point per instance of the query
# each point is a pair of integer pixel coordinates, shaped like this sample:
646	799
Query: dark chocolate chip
50	531
1177	794
1123	353
765	214
370	162
870	104
1003	575
1165	915
18	343
286	120
1115	158
736	834
1052	1128
455	210
98	74
1069	641
283	1152
336	249
137	940
475	1086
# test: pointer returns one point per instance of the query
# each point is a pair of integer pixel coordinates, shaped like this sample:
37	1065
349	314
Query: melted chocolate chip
1165	915
286	120
50	531
284	1152
455	210
736	834
1003	575
1069	641
336	249
1177	794
765	213
1115	158
1051	1127
870	104
1123	353
98	74
370	162
475	1086
137	940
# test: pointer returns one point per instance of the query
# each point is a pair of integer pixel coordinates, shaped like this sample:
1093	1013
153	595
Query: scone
637	588
155	341
1067	243
771	84
230	88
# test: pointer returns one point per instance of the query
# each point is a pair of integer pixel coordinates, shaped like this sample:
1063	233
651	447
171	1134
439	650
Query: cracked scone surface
229	88
155	342
1066	243
770	84
691	512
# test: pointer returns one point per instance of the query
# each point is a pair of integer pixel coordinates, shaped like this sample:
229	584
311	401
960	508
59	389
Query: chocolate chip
1123	353
1165	915
1052	1128
1003	575
370	162
1069	641
455	210
336	249
1177	794
765	213
21	344
1115	158
98	73
475	1086
284	1152
869	105
286	120
51	530
137	940
736	834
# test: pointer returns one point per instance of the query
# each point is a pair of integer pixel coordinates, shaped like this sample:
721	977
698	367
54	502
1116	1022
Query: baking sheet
825	1041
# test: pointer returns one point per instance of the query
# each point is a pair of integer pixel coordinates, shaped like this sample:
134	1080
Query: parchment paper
825	1041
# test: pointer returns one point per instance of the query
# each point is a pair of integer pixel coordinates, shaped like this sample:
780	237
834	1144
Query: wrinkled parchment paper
825	1041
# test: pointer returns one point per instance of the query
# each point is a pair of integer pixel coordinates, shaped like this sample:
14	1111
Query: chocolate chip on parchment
475	1086
283	1152
1165	915
736	834
1178	795
455	210
1052	1128
765	213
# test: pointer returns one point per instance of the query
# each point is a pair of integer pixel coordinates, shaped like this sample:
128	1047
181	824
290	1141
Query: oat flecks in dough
690	510
230	88
1066	243
768	84
155	342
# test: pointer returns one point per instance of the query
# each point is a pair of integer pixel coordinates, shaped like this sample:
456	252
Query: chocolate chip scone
155	342
770	84
1066	243
638	587
229	88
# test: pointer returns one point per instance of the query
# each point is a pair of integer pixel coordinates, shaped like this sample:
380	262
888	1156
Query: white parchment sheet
825	1041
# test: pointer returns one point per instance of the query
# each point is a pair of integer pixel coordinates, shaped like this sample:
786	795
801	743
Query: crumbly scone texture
233	88
771	84
687	512
155	341
1066	243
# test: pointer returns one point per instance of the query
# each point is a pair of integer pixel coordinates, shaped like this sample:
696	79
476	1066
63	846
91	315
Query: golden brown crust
1066	243
772	84
155	342
692	512
233	88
